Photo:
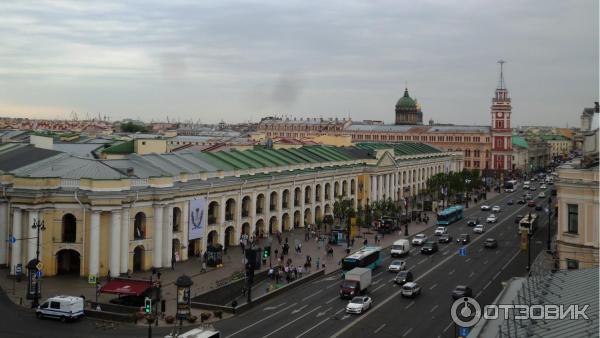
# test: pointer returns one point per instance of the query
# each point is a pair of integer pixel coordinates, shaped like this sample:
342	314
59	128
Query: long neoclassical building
115	216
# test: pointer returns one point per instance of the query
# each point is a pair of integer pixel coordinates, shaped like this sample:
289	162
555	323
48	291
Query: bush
192	318
204	316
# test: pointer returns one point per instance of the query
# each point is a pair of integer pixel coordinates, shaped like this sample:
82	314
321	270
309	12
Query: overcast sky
242	60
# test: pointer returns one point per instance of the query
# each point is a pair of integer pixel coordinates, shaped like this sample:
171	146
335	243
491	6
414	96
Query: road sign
463	331
38	274
39	266
12	239
19	269
462	251
92	278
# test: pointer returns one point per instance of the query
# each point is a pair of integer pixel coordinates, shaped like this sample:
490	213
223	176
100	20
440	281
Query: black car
403	277
510	202
518	218
538	207
464	238
461	291
472	222
429	247
521	201
445	238
490	243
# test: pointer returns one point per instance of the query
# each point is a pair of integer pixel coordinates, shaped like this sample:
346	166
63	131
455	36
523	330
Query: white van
400	248
62	307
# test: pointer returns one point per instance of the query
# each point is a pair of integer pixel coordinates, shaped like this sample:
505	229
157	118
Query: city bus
369	257
450	215
511	186
528	224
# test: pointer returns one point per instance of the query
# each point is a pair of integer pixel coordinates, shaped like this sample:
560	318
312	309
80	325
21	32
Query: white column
253	215
388	187
125	240
379	187
394	185
373	196
31	242
115	243
157	238
185	235
94	261
302	206
237	226
16	254
3	232
168	236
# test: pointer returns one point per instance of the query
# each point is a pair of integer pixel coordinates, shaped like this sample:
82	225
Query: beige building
141	211
578	212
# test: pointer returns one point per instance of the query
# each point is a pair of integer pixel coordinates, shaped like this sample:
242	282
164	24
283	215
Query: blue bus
369	257
450	215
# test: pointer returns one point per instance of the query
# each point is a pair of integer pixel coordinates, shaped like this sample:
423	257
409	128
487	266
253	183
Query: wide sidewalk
210	279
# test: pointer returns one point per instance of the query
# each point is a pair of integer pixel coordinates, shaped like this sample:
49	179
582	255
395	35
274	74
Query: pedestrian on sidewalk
173	262
365	242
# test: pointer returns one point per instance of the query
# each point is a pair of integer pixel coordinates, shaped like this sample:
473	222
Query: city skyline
238	62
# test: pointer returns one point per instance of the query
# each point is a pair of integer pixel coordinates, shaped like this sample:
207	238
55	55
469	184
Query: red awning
131	287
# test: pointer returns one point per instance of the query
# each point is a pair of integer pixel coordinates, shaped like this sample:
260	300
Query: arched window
69	228
139	226
176	219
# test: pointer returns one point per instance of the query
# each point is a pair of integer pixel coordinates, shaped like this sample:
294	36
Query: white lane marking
407	332
478	294
313	327
497	252
320	314
332	285
379	328
433	308
290	323
340	310
391	280
299	309
379	287
377	274
433	286
447	327
332	299
451	272
471	274
314	294
511	259
410	304
497	274
262	320
487	284
422	261
467	260
444	253
485	262
500	234
395	294
268	308
480	250
376	281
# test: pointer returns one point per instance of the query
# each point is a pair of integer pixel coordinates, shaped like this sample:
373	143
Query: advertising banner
197	218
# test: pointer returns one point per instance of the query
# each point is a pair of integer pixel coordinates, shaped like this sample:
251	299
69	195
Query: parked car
419	239
496	208
472	222
510	202
479	229
485	207
440	231
461	291
403	277
463	238
491	219
491	243
411	289
429	247
359	305
445	238
518	218
397	265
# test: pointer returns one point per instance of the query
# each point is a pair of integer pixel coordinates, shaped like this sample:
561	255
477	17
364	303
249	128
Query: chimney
130	171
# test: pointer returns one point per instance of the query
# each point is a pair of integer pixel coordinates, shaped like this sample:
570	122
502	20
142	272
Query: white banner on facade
197	219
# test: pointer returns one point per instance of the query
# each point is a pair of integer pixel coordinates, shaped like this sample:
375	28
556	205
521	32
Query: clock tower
501	132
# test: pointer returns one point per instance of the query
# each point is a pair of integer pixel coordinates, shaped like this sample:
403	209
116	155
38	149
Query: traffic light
266	252
148	305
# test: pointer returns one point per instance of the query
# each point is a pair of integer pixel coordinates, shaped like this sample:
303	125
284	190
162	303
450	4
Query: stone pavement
205	281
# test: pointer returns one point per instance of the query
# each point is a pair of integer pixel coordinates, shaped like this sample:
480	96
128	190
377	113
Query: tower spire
501	84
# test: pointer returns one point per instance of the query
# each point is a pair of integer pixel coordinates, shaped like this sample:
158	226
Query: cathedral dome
406	101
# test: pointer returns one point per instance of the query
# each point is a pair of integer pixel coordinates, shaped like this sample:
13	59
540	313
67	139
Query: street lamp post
39	226
549	221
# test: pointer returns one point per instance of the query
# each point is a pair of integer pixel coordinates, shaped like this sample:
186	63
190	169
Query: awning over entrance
130	287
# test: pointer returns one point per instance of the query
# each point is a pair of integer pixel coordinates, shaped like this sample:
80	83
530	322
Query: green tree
130	127
343	211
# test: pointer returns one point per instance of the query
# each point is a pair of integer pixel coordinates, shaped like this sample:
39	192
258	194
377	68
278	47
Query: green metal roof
121	148
402	148
520	142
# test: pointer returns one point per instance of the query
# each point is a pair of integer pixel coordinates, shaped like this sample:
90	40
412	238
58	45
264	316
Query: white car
411	289
479	229
359	305
397	265
419	239
440	231
543	186
496	208
485	207
542	195
491	218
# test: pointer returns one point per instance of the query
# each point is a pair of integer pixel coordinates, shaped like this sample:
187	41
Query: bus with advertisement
369	257
450	215
528	224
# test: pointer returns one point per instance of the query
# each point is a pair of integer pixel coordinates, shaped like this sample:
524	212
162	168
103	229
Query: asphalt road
315	310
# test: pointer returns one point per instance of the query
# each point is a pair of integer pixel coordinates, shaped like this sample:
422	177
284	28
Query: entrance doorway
138	258
67	262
